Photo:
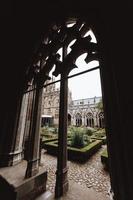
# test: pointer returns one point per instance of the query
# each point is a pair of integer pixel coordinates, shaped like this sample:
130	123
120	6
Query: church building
81	112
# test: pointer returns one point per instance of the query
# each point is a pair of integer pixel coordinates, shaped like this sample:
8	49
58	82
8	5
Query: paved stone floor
89	175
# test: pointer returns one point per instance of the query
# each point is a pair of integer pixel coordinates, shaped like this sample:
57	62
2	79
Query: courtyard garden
82	142
87	157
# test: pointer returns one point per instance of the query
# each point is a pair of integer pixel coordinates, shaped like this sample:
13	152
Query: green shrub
90	131
53	130
44	131
100	133
70	131
48	131
56	130
77	138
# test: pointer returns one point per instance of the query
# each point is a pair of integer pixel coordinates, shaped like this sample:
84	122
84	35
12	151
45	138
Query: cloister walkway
89	175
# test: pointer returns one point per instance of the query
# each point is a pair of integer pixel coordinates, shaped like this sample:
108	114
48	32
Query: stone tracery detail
61	35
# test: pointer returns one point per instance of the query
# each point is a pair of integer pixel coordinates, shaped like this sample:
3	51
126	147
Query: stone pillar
34	135
84	120
27	122
74	121
61	174
95	119
20	131
98	124
85	123
10	150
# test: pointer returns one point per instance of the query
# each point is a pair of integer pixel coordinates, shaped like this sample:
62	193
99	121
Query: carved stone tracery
61	35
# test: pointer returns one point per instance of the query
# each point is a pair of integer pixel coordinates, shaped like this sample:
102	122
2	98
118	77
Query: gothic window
90	120
101	120
58	54
78	119
57	57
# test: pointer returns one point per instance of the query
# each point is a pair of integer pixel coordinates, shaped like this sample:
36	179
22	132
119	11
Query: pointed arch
101	120
90	120
78	119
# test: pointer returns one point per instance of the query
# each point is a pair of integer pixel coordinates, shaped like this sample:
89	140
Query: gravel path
90	175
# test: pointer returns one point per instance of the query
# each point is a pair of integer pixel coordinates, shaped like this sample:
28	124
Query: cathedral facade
81	112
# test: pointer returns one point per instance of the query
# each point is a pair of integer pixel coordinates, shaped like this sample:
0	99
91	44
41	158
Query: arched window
89	120
73	38
78	119
101	120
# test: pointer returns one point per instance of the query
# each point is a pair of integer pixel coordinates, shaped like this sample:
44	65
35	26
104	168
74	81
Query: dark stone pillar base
62	184
32	168
28	189
61	189
11	159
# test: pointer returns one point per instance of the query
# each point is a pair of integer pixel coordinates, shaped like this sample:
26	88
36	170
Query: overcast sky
86	85
89	84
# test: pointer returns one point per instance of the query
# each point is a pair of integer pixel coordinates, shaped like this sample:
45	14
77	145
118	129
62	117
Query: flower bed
76	154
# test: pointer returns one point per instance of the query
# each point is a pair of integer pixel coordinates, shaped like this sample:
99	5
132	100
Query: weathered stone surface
13	186
89	175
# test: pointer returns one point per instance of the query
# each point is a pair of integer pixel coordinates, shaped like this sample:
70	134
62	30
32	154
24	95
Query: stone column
95	120
61	174
10	150
85	123
27	122
20	131
74	121
34	135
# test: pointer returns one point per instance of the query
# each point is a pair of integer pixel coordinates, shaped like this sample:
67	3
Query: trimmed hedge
76	154
48	140
102	138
